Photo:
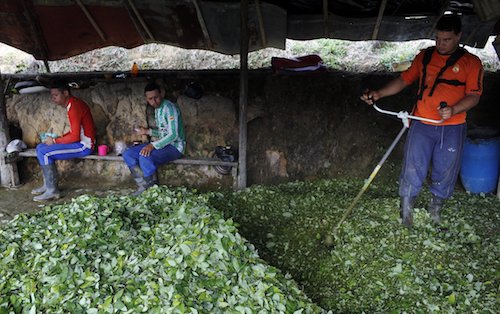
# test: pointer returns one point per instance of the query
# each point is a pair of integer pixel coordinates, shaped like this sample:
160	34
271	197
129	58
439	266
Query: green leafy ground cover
376	265
164	252
172	251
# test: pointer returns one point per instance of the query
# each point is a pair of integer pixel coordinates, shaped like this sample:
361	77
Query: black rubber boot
150	181
51	188
40	190
136	172
139	180
143	184
435	206
406	210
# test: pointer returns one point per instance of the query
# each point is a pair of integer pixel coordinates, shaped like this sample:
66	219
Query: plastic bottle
134	70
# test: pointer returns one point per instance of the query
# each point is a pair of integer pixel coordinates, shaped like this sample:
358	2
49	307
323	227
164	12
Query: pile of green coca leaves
375	265
166	251
179	251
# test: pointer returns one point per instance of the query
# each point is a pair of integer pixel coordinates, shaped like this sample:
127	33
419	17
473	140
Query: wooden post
379	19
262	28
36	31
242	159
135	14
498	188
91	20
203	25
9	176
326	14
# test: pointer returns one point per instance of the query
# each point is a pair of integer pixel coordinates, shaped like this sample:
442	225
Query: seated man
169	146
78	142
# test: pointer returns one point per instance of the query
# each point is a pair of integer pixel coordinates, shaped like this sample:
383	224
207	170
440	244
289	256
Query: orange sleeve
474	79
412	74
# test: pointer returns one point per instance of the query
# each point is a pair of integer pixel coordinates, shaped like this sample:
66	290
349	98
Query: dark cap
60	85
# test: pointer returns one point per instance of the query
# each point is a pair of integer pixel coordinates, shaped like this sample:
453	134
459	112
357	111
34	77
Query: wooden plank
203	25
498	188
379	19
36	30
262	28
234	174
91	20
242	150
136	22
201	161
325	18
99	76
141	20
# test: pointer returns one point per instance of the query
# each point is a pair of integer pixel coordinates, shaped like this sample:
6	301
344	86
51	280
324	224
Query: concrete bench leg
498	188
234	173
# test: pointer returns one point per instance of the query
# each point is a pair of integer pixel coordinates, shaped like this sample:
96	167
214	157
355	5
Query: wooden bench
199	161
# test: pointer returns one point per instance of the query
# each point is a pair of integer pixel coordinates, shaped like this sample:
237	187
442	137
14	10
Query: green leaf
452	299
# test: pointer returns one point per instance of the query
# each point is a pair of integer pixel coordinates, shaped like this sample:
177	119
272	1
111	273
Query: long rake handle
369	180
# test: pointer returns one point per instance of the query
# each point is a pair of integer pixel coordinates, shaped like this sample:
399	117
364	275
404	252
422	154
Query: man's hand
445	112
465	104
146	150
49	140
392	88
370	97
141	131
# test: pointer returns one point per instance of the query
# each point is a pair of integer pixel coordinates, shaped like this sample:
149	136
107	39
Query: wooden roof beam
379	19
38	38
141	21
135	21
325	17
398	7
262	28
203	25
91	20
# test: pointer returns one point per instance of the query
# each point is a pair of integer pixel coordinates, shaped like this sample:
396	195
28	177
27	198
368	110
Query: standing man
446	73
169	145
78	142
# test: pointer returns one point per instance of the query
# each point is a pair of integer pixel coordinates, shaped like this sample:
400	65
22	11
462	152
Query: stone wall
302	126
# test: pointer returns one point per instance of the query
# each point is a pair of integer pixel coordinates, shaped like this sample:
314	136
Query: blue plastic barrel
480	165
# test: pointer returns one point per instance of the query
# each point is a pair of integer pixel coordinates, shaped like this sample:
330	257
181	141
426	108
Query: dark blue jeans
437	146
150	163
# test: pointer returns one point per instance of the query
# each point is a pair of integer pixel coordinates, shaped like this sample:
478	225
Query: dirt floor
20	200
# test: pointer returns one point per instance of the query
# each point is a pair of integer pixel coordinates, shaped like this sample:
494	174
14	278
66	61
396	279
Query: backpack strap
452	59
427	58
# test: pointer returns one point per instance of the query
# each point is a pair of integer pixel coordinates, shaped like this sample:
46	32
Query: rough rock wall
300	127
117	108
315	126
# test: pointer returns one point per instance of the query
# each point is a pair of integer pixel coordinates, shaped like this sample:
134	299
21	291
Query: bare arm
392	88
465	104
